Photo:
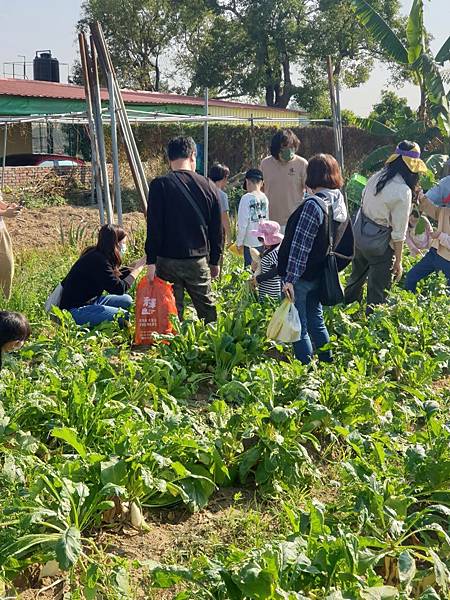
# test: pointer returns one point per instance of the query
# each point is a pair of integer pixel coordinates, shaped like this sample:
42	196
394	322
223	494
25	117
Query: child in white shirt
417	242
253	208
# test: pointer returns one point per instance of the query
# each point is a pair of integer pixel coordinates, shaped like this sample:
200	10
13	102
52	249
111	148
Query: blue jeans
105	308
314	332
430	263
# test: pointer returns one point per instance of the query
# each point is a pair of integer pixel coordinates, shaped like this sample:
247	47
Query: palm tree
425	70
415	57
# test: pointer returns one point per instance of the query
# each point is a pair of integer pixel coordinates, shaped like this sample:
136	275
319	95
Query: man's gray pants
191	275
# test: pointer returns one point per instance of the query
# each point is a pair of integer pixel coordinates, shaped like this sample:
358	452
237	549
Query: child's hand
436	234
253	283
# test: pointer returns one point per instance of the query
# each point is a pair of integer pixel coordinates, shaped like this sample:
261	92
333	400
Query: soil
172	533
47	226
442	384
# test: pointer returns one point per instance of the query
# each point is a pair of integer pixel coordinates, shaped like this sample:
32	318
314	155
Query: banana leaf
380	30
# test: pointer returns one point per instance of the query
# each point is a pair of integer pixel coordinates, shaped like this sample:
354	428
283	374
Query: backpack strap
328	210
186	192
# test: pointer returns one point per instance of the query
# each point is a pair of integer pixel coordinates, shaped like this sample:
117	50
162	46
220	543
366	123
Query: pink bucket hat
269	231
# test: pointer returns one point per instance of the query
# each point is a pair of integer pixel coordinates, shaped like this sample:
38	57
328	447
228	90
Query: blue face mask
123	249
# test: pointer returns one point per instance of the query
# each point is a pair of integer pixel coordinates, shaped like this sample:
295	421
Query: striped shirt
269	287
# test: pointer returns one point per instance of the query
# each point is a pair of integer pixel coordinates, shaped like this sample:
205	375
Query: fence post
205	137
5	137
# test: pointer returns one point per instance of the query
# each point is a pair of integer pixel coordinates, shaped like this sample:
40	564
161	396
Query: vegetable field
327	482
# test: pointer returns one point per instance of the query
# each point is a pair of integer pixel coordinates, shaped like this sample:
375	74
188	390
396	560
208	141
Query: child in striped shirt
267	280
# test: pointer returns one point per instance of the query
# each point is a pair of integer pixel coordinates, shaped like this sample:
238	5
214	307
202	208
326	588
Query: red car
43	160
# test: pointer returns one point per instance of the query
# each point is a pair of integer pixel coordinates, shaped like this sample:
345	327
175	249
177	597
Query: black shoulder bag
331	291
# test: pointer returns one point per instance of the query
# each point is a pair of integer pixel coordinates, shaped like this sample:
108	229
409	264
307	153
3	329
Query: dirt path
46	227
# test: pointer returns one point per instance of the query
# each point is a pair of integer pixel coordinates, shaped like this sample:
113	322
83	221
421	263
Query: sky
30	25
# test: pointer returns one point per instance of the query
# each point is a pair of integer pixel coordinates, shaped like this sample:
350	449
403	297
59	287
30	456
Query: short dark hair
14	327
284	137
180	147
323	171
218	172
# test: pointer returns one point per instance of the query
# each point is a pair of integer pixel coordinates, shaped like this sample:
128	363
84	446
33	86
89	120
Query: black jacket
89	277
174	229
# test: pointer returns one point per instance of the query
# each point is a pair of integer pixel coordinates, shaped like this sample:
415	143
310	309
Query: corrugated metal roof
67	91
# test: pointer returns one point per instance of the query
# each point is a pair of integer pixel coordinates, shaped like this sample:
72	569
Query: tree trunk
157	74
423	102
270	95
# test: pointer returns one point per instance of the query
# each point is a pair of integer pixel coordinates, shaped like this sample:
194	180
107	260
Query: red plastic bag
155	303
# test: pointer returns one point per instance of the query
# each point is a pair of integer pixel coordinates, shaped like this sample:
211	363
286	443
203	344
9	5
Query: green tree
392	110
335	32
276	49
138	32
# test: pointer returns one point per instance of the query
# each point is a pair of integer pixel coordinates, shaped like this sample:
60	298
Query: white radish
50	569
136	516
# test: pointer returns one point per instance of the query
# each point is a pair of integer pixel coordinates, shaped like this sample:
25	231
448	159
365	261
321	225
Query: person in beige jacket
436	204
284	174
6	253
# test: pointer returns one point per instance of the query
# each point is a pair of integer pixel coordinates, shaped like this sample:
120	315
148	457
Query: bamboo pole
115	151
252	140
206	136
96	173
132	151
125	131
339	120
333	109
100	133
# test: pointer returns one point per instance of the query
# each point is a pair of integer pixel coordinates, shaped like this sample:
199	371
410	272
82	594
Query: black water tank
45	68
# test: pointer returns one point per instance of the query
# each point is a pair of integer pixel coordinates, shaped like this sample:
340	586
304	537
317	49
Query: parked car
43	160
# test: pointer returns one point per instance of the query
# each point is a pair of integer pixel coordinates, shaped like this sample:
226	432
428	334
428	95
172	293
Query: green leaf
415	31
444	53
113	471
436	163
249	459
406	568
430	594
69	435
198	489
254	582
420	226
383	592
434	84
440	571
373	126
68	548
380	30
26	542
377	158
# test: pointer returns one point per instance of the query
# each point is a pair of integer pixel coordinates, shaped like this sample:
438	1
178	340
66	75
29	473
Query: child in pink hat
268	281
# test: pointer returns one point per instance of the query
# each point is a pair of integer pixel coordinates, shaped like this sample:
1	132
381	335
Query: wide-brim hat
411	158
269	231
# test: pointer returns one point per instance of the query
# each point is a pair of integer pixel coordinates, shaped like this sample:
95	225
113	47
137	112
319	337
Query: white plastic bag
285	325
55	298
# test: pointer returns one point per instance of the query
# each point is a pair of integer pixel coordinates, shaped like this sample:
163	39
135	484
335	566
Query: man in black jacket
184	230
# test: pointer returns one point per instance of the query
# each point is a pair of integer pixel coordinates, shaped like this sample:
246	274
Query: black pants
194	276
376	271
